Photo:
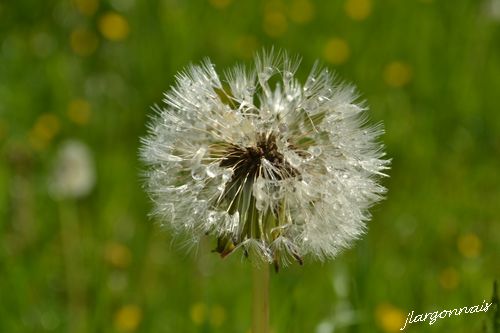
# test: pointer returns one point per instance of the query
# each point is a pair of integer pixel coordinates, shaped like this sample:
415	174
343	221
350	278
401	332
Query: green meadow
89	71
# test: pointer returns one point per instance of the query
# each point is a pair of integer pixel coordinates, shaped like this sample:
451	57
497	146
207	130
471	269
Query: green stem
72	252
260	298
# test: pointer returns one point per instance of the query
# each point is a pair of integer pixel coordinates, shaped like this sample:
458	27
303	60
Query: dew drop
268	71
277	195
198	156
198	172
310	190
258	189
287	75
227	174
235	218
212	217
249	91
260	205
315	150
212	170
294	159
182	188
199	206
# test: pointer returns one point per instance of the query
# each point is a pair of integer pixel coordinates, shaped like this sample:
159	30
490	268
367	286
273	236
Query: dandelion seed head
73	174
277	168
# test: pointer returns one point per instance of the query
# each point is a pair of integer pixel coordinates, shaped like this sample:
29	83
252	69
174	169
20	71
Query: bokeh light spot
128	318
217	316
43	44
79	111
114	26
275	23
469	245
198	313
449	278
336	51
389	318
117	255
87	7
397	74
301	11
358	10
117	282
220	4
44	130
83	41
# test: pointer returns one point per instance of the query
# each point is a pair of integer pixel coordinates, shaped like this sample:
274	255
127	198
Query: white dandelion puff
73	174
263	163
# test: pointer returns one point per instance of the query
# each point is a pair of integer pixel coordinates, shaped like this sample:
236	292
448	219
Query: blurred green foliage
90	70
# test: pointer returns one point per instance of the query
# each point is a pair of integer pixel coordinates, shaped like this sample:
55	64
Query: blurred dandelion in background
73	175
491	9
72	178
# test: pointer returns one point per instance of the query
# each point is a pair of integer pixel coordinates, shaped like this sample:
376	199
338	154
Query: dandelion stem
260	298
71	248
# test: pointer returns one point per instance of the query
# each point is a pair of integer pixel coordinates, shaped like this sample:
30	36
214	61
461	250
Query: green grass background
430	70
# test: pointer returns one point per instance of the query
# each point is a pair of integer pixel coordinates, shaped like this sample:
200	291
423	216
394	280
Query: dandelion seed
265	164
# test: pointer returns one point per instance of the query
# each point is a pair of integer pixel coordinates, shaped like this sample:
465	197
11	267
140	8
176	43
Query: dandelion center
262	159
